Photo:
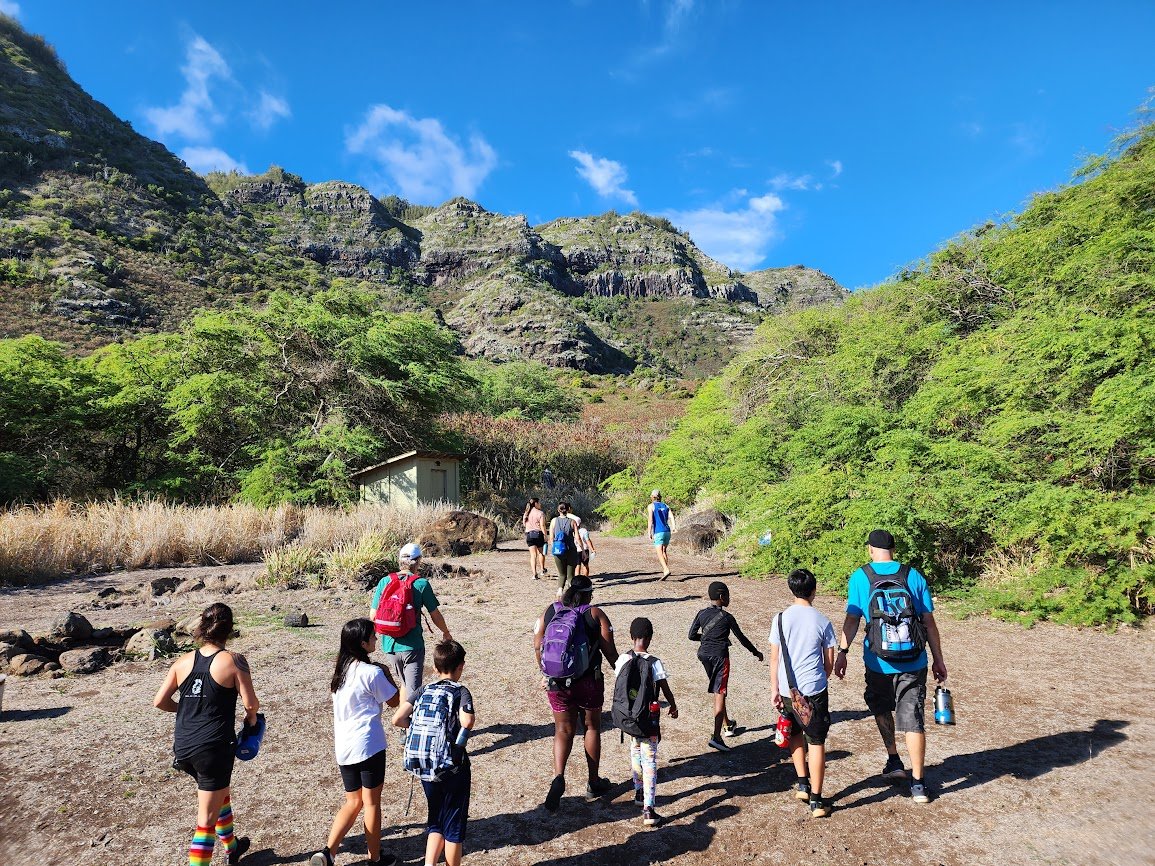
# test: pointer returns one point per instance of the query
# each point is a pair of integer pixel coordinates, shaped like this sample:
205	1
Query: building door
441	484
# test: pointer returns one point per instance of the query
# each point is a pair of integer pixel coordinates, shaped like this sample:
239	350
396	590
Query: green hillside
994	407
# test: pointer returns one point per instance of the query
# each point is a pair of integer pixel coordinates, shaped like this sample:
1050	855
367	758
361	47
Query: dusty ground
1052	759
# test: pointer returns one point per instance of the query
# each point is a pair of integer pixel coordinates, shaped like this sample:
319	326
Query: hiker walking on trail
586	550
712	626
439	717
895	601
659	528
547	479
359	690
396	613
209	679
564	545
802	646
533	520
639	677
569	641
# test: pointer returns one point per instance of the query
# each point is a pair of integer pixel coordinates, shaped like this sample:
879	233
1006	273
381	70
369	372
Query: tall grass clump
41	542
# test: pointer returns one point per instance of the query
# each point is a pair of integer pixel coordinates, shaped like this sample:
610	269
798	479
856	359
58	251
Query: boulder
162	585
71	627
458	533
110	636
187	625
87	660
700	531
297	620
164	623
8	651
27	665
150	644
16	637
108	592
192	584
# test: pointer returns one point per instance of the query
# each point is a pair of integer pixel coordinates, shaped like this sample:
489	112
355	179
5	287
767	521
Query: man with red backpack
396	614
569	641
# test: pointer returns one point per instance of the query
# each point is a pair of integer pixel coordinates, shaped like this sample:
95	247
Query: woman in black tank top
209	680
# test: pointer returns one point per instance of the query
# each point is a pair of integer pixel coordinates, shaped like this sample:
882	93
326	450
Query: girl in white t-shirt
360	688
586	550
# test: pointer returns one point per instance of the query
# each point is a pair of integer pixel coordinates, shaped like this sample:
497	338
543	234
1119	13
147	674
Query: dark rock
700	531
297	620
87	660
108	592
8	652
163	585
187	625
458	533
72	626
17	637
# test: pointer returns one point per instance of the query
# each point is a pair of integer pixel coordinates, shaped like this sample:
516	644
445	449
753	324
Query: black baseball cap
881	539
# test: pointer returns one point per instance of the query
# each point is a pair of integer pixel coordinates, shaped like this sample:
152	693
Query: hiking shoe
894	771
733	729
802	789
919	792
651	818
242	848
639	797
819	809
596	788
556	789
386	860
321	858
715	743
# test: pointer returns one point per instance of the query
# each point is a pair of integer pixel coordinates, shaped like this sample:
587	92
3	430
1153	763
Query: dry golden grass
45	541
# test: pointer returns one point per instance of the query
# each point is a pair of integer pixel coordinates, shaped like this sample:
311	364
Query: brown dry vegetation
1051	761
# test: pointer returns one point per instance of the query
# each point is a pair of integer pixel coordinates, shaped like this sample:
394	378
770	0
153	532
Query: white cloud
418	157
10	7
269	110
739	237
798	182
606	176
194	116
202	160
835	167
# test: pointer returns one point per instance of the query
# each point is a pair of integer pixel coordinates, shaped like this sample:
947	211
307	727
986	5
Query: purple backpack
565	647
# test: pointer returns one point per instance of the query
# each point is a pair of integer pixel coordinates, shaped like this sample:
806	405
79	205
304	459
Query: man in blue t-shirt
895	690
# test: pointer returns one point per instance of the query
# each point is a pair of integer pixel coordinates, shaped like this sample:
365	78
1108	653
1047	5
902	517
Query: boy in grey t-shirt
810	641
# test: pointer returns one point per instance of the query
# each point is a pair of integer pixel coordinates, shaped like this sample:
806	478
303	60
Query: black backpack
895	631
634	691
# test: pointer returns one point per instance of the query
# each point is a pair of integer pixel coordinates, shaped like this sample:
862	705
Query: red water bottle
655	713
782	732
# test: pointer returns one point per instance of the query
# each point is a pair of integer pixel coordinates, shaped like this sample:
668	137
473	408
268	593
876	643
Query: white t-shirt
358	732
656	664
584	536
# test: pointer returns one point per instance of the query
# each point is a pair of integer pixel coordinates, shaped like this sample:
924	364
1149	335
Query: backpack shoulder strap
790	680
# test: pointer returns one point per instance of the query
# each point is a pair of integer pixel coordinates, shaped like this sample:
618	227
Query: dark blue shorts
449	804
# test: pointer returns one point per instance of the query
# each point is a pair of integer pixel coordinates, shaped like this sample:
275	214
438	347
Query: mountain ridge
105	234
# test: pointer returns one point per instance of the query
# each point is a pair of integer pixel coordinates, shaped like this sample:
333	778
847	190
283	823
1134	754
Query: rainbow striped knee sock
200	850
225	826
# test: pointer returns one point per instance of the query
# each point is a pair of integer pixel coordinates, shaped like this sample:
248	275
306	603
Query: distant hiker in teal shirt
406	655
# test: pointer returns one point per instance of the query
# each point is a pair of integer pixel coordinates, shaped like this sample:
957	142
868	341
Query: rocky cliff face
104	234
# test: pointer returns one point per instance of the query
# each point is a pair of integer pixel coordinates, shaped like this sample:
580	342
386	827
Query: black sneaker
556	789
639	797
733	729
819	809
802	789
242	848
596	788
919	791
386	860
894	771
651	818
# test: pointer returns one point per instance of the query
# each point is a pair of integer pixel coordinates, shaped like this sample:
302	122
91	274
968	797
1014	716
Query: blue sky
851	137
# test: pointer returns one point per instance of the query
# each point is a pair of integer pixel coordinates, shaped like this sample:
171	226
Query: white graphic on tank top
196	688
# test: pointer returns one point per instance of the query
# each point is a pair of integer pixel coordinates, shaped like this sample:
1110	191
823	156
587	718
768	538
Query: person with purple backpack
569	640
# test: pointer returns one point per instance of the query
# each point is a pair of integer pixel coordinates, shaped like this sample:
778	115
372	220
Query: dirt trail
1052	760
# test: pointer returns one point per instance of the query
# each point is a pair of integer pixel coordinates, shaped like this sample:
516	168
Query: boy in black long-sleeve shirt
712	626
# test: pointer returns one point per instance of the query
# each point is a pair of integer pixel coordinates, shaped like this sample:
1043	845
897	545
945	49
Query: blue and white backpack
433	729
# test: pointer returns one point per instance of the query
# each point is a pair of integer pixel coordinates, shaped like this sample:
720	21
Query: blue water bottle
943	706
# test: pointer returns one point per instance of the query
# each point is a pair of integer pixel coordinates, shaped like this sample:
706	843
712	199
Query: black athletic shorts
901	694
535	539
212	768
369	773
717	672
819	723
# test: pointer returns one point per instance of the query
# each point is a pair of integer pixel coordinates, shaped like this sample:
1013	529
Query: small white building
412	478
